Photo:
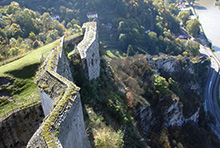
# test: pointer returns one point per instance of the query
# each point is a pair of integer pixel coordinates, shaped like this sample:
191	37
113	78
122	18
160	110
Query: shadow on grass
26	72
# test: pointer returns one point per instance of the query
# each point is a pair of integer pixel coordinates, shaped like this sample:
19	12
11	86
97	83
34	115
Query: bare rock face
184	72
173	65
169	65
174	116
145	119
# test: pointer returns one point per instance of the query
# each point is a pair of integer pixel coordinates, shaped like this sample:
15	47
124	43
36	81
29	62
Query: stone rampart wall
74	40
17	129
89	50
64	125
93	60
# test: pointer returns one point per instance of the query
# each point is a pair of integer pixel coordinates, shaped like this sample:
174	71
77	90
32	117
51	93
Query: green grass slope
23	92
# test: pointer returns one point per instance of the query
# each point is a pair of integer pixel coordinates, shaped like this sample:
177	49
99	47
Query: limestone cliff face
173	66
145	118
17	129
174	116
169	65
172	113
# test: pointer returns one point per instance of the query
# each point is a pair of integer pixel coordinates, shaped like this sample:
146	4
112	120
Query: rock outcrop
173	112
174	116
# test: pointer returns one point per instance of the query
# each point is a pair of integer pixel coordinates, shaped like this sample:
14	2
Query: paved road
210	91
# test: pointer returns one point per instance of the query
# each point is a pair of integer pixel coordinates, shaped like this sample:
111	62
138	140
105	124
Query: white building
57	17
92	15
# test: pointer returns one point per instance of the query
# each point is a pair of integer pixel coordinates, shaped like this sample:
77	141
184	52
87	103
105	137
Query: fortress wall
74	40
18	128
63	67
93	60
74	122
64	125
46	102
89	50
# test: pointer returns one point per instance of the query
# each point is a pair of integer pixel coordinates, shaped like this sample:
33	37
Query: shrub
106	138
4	101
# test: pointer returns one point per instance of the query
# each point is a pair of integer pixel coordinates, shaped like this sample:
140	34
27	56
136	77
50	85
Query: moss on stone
46	80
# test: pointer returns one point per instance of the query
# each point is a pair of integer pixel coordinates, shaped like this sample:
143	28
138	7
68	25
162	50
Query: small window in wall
92	62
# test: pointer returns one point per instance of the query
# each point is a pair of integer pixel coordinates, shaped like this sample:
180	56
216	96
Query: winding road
210	89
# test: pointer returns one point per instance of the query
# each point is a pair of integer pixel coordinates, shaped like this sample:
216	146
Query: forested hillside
23	29
149	93
141	26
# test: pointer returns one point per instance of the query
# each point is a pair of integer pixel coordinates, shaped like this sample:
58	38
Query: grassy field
22	71
15	68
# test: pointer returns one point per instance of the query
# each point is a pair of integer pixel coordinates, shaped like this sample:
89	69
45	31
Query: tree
12	7
184	16
14	31
1	57
161	86
123	40
130	50
59	27
14	51
32	35
192	47
35	44
77	27
3	37
173	85
121	27
193	27
173	8
69	25
185	53
46	20
152	40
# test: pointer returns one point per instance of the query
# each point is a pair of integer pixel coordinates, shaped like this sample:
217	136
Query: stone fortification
74	40
89	50
63	125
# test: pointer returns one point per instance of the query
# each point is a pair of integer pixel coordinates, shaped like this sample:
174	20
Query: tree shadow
25	72
199	7
216	48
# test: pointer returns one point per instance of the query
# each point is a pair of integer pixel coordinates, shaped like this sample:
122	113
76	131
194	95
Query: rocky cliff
180	86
